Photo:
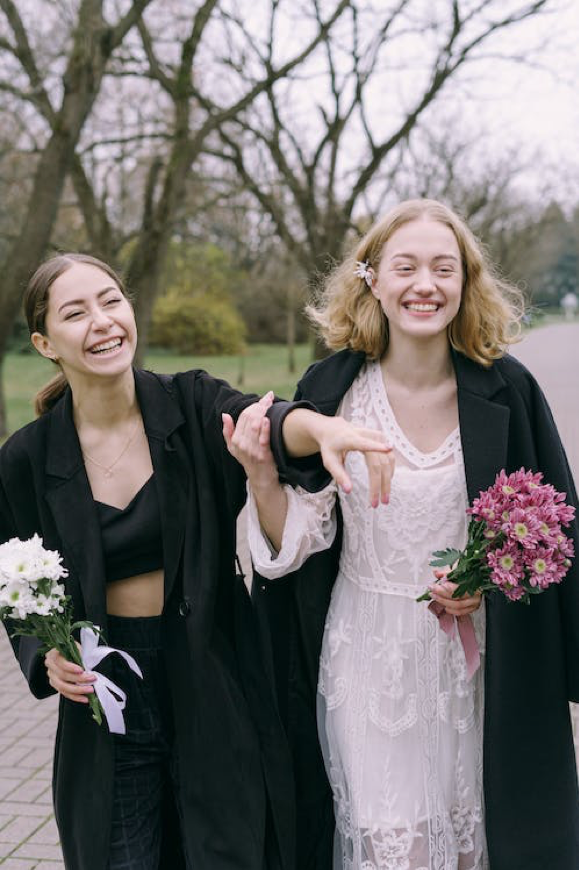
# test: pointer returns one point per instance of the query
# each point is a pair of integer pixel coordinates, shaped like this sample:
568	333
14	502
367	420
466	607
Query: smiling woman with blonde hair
491	309
403	758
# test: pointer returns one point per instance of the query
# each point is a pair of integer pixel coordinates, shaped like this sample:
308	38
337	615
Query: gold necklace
108	469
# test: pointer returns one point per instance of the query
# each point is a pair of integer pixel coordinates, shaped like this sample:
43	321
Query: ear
43	346
371	282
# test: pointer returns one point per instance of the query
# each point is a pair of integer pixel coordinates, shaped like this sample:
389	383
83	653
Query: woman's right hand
69	680
306	432
337	437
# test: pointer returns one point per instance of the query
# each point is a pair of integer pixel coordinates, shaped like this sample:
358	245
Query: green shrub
199	324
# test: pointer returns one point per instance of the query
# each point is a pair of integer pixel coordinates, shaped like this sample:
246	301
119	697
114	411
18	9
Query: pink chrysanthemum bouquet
515	540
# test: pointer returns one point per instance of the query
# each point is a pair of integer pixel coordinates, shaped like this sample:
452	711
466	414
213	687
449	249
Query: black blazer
234	760
532	652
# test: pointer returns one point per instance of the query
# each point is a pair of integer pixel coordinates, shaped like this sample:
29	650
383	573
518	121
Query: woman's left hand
248	442
442	591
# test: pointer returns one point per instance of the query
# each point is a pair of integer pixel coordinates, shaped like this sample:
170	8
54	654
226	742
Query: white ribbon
112	699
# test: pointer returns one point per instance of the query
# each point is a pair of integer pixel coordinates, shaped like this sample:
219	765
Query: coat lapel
70	499
484	424
162	417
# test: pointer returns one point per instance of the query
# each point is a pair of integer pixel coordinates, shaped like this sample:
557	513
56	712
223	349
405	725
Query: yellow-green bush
198	324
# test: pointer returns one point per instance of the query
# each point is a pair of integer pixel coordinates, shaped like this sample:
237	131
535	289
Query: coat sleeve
25	648
213	397
307	472
552	461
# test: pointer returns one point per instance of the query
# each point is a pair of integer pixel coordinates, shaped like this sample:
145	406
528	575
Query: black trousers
146	767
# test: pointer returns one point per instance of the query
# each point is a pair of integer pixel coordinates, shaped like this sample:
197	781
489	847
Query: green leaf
426	596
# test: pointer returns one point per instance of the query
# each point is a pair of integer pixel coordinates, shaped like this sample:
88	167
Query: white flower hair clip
365	272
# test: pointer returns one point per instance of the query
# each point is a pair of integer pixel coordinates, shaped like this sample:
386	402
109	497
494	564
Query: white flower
29	561
364	271
16	599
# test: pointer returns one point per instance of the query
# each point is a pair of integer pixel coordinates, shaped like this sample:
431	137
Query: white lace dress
399	723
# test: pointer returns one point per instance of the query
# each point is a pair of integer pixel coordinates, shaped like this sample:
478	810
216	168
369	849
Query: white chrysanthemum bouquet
33	602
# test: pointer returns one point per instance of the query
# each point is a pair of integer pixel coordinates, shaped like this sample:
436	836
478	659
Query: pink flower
515	537
507	569
524	527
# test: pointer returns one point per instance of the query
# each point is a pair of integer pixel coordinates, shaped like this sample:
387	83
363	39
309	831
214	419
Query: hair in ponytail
48	395
35	304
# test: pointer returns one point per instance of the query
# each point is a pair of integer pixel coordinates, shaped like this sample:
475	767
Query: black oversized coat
234	761
532	652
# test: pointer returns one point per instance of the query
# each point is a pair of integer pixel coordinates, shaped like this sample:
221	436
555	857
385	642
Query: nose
424	282
100	318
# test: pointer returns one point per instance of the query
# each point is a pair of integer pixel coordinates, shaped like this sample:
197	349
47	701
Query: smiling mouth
422	307
106	347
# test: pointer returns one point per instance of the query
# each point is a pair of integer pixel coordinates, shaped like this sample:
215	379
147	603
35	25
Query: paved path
28	837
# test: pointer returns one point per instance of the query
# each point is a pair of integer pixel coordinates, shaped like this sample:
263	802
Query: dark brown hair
35	305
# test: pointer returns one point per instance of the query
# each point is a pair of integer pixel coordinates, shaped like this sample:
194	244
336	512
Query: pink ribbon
449	624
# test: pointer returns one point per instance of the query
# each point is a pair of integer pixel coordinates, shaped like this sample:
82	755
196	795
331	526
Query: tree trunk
148	260
81	83
3	413
28	249
291	331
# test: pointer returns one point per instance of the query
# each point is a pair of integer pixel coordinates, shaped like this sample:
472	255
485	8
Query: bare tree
384	70
193	118
92	42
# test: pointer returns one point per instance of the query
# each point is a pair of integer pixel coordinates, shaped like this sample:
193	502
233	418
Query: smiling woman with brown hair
126	474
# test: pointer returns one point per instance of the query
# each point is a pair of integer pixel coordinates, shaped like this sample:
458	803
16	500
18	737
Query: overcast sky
534	104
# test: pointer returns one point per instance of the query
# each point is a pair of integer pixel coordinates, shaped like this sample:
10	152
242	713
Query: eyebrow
438	257
81	301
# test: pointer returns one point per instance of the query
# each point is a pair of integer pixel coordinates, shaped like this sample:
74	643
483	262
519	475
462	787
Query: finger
65	675
373	435
250	419
266	400
374	466
53	659
366	444
264	433
440	573
73	694
334	464
69	689
387	472
228	429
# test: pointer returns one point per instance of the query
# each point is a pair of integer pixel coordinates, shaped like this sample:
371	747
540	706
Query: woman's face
90	324
419	282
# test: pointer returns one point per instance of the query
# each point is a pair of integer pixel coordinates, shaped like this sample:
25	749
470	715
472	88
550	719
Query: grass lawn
264	367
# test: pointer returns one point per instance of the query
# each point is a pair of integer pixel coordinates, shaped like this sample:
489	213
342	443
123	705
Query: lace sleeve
310	527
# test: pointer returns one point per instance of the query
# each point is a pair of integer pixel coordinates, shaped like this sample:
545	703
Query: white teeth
106	345
422	306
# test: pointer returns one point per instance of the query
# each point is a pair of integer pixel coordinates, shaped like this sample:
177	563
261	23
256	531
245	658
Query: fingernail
385	499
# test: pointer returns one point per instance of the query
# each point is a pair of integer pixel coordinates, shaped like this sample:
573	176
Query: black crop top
131	537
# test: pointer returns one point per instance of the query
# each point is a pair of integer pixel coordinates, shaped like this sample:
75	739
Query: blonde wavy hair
347	314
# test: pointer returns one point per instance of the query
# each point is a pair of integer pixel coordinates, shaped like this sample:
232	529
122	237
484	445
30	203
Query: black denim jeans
145	762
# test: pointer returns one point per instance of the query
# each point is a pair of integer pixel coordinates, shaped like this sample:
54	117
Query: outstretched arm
307	432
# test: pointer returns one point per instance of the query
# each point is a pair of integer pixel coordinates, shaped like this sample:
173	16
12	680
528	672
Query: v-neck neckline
447	447
122	510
